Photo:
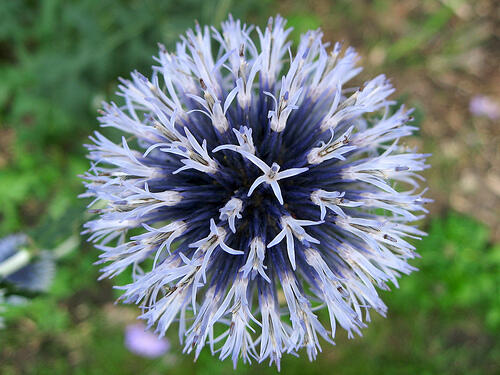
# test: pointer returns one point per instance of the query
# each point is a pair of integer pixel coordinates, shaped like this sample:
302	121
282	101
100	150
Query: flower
20	268
252	187
484	106
144	343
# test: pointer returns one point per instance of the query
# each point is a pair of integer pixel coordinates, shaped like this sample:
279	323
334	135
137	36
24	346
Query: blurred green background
60	58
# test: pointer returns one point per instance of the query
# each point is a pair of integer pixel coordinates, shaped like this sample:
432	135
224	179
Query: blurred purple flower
144	343
484	106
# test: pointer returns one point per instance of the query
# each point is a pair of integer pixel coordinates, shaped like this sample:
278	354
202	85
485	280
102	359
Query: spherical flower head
253	185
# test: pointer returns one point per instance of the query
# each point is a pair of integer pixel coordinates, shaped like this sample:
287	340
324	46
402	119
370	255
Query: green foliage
415	41
301	23
459	271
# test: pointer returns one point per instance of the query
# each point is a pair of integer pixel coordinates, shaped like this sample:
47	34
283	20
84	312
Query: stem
15	263
66	246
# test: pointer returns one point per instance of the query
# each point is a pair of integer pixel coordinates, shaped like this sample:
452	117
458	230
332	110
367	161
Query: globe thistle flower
252	187
22	268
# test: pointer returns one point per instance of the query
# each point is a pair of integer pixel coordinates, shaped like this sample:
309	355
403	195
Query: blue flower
252	187
20	267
